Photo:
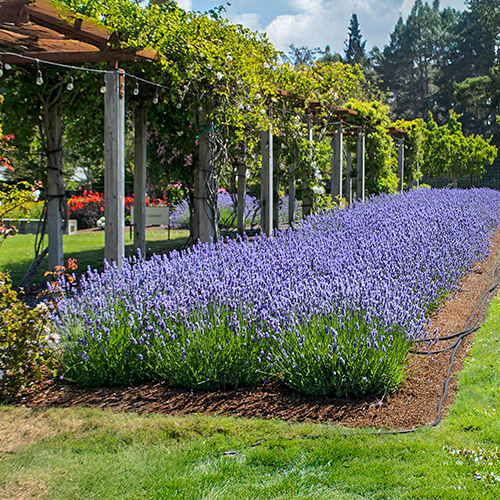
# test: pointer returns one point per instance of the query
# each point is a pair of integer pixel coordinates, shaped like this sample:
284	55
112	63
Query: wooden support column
266	181
360	164
140	159
291	195
206	214
411	179
401	164
242	189
276	186
306	189
348	179
114	166
55	184
337	161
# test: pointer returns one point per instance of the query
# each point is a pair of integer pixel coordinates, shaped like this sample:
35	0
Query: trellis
41	32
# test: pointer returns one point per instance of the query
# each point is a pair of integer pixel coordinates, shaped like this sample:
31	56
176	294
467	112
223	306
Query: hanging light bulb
39	77
155	99
70	85
1	68
200	108
136	88
7	66
103	87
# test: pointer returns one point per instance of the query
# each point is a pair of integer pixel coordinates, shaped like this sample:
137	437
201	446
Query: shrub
88	208
26	336
332	307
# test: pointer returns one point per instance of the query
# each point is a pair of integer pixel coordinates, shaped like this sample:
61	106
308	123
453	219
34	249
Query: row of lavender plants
179	217
332	307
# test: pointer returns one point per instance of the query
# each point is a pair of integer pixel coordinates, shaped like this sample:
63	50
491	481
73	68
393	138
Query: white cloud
406	8
305	5
249	20
317	23
185	4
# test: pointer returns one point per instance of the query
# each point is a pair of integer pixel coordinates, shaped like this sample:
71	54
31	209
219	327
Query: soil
414	404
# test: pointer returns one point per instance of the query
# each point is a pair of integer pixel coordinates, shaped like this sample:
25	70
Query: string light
1	68
39	77
7	66
70	85
155	99
136	88
103	87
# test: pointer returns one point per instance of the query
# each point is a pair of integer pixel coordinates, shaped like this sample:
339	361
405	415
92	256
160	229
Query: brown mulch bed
414	404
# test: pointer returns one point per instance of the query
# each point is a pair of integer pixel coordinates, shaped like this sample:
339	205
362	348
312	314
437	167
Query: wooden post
360	164
337	161
291	195
348	179
114	166
266	181
55	184
411	178
242	189
306	189
276	186
140	181
401	164
206	214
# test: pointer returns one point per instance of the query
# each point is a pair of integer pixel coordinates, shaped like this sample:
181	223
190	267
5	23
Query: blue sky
316	23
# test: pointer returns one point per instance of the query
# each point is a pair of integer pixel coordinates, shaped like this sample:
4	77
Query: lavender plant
332	307
179	217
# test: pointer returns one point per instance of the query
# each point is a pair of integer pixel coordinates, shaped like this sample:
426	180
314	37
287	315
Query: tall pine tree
355	52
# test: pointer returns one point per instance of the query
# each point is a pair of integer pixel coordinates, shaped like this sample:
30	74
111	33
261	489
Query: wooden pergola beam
77	57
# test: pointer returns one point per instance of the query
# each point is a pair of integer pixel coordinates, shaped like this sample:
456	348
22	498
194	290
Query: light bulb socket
103	87
136	88
70	85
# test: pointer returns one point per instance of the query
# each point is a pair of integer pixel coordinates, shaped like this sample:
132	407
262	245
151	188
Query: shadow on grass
18	259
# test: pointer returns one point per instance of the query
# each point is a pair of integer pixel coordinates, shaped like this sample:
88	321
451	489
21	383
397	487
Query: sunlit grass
17	252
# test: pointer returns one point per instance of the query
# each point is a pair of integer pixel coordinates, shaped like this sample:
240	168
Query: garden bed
413	404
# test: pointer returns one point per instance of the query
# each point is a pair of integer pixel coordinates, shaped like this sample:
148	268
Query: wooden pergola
399	135
37	31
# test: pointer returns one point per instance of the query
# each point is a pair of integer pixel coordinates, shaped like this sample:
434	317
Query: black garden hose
484	304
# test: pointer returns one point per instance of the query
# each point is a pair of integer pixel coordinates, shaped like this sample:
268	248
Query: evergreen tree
407	66
355	52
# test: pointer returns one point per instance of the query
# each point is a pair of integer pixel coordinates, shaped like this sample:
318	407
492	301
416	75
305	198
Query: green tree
354	50
407	66
450	154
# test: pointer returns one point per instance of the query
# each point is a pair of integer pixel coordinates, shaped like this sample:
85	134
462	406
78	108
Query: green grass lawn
17	252
93	454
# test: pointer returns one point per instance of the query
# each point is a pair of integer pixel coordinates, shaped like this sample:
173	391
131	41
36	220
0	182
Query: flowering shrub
332	307
88	208
15	203
25	338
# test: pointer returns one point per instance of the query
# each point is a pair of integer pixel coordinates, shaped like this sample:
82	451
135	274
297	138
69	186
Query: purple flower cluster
332	306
